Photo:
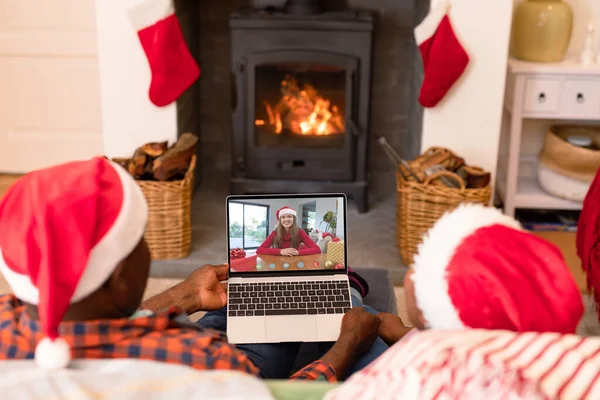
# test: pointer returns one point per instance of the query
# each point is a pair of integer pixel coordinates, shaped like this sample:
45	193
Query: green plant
330	220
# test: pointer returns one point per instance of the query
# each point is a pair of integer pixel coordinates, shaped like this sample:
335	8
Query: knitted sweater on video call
310	246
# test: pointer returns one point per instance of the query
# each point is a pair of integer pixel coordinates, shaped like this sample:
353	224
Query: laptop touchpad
246	330
292	328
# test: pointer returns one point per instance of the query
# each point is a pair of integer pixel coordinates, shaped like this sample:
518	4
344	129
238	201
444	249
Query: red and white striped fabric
480	364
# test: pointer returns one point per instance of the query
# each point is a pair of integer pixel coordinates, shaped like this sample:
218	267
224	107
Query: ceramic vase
542	30
588	54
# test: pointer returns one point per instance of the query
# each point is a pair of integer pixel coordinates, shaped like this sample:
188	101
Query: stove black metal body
301	94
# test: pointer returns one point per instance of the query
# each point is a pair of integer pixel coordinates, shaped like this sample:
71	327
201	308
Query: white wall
468	120
129	119
340	221
584	11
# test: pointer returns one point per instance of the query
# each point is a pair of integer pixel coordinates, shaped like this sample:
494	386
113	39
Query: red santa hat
63	231
477	268
588	239
285	211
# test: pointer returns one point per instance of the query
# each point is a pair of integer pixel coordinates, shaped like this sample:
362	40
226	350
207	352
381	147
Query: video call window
286	234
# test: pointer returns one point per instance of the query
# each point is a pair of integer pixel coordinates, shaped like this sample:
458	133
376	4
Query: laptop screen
287	233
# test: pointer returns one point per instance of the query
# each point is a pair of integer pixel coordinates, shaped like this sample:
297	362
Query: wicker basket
420	205
568	160
169	230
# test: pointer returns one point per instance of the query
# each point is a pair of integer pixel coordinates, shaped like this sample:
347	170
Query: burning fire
303	111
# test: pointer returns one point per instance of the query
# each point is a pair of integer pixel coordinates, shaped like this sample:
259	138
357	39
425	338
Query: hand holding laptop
206	285
201	291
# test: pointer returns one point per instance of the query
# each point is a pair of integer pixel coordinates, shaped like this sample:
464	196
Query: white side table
554	91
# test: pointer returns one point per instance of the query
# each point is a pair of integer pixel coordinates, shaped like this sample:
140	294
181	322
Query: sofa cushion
126	379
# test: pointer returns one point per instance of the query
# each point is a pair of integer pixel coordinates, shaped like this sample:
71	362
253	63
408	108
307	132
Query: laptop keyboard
285	298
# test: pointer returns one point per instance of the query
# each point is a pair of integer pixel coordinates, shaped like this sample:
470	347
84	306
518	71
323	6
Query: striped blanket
480	364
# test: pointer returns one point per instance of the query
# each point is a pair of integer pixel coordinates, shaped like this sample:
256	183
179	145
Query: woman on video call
287	237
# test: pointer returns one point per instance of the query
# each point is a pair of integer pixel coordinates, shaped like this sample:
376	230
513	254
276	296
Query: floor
371	237
5	181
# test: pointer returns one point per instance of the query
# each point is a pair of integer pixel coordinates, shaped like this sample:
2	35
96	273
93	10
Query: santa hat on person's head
63	231
285	211
588	239
477	268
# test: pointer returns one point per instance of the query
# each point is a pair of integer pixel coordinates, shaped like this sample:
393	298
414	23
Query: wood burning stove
301	101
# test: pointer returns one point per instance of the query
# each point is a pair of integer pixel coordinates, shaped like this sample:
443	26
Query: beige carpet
5	181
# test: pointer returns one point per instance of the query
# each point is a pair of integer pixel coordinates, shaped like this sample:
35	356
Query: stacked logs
434	161
158	162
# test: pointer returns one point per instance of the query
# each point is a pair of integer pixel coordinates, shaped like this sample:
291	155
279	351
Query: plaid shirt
167	337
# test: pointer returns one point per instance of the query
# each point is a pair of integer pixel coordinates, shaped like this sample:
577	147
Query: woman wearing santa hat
287	238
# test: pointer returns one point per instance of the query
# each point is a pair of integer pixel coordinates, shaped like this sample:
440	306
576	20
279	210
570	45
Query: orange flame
303	110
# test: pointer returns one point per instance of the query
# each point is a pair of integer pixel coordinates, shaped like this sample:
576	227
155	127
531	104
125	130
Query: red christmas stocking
444	58
173	67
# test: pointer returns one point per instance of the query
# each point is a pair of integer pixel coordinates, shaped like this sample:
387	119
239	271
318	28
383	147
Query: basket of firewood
430	186
166	176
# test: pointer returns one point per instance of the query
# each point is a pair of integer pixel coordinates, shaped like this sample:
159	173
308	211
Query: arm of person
357	335
265	247
201	291
180	295
333	365
391	328
311	246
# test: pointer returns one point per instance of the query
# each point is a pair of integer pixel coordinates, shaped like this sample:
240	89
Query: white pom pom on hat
94	215
52	354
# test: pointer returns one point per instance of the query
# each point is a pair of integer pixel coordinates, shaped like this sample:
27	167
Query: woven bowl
568	160
561	186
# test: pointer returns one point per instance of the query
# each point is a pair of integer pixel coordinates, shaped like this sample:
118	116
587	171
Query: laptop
287	283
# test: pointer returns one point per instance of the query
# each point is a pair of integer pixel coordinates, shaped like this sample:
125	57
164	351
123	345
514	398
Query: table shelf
530	194
564	91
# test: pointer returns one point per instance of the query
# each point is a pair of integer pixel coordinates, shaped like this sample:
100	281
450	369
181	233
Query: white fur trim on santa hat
436	252
126	232
148	12
427	27
287	211
52	354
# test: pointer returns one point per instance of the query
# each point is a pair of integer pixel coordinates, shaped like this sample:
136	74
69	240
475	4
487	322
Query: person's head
72	247
286	225
477	268
119	296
